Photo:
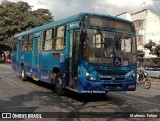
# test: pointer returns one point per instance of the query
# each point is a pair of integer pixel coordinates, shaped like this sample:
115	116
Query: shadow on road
49	101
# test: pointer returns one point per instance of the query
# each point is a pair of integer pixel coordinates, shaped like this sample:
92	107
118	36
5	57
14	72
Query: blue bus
85	53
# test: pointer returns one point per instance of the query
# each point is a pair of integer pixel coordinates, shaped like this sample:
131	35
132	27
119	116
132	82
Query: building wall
147	26
139	15
126	16
152	30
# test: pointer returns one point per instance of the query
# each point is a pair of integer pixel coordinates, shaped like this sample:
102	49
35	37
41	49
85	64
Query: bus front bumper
85	86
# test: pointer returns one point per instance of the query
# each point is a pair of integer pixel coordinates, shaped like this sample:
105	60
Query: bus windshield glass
102	47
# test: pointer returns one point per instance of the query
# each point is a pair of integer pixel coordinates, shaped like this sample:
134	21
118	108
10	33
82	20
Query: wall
150	29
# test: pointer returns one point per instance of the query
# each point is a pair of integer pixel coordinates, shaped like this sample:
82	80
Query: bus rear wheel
59	85
23	74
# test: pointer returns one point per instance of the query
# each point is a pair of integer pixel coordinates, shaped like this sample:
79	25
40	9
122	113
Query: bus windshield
101	47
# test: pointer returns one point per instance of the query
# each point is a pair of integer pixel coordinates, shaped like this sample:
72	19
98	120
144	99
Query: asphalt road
30	96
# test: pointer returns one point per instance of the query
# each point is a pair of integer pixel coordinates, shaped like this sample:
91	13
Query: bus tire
23	74
59	84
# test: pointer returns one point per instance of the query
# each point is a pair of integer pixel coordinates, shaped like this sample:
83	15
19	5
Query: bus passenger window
59	44
60	38
30	42
47	39
24	43
27	42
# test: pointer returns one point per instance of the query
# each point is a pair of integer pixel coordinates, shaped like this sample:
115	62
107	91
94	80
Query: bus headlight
133	74
92	78
87	74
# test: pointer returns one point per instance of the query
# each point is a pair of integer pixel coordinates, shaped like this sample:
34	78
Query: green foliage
18	17
157	50
150	46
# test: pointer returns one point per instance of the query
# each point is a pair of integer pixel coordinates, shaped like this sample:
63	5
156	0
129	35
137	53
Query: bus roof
66	20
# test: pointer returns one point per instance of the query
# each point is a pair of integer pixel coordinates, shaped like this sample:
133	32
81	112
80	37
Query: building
147	26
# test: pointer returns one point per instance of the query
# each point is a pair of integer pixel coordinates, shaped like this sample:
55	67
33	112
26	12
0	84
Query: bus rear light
131	86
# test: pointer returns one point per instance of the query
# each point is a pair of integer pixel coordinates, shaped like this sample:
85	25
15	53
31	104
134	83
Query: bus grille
111	72
116	79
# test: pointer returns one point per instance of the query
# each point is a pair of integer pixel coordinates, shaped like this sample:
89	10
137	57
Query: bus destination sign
107	23
116	25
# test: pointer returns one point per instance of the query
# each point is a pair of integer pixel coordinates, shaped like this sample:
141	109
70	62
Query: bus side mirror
83	36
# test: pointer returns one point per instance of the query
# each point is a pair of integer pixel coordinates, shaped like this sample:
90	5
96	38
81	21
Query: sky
63	8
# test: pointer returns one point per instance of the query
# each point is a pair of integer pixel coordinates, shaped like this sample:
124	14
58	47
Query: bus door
73	58
35	56
14	52
18	47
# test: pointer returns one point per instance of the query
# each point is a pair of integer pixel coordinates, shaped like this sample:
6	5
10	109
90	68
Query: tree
157	50
150	46
18	17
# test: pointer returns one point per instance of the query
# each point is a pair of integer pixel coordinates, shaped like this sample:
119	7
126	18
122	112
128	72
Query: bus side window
24	43
47	39
30	42
27	42
60	38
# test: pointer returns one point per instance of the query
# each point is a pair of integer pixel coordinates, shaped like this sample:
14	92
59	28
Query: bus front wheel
59	85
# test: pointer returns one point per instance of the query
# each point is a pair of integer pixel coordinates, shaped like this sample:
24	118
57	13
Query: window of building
138	24
140	39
